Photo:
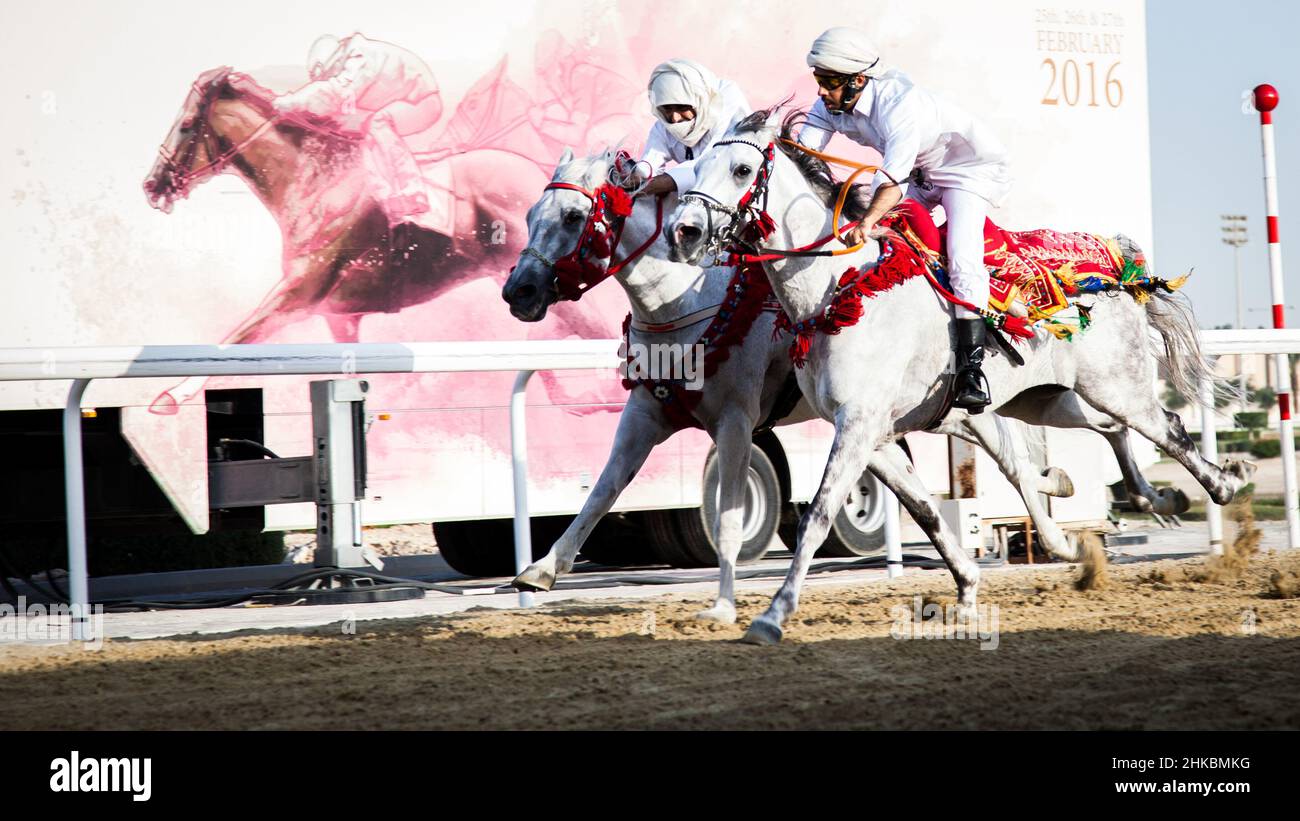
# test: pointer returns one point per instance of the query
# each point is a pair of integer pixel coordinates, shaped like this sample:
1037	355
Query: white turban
845	50
685	82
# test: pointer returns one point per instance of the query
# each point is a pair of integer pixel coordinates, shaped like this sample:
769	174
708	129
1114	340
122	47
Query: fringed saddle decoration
749	294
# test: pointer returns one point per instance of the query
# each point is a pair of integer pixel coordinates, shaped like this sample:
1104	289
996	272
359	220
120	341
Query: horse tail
1179	348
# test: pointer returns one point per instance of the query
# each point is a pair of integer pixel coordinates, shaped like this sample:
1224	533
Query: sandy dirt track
1153	650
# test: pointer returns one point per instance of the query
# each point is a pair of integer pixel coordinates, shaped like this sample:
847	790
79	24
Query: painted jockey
693	108
380	89
939	154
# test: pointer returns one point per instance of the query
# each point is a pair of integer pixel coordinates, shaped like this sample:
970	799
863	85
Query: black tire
621	540
666	539
762	512
486	547
859	526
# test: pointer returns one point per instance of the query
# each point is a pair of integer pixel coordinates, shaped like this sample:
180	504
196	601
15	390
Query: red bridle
581	269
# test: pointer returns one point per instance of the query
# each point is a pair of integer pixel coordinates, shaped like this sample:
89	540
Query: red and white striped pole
1265	101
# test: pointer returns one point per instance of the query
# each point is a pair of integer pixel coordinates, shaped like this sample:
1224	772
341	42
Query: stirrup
972	399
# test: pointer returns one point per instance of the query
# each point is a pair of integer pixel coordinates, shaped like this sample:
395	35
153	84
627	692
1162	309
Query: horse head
566	247
731	186
189	154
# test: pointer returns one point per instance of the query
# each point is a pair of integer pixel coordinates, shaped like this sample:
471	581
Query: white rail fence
81	365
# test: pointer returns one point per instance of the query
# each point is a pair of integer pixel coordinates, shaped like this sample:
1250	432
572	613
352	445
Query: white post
1266	99
1210	450
519	461
893	535
74	494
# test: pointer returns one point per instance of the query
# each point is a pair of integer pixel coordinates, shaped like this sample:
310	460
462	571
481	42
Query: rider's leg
388	126
966	213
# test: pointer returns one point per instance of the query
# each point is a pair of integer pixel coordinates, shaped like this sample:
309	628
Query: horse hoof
721	613
1059	483
164	405
534	578
1180	502
1243	469
762	633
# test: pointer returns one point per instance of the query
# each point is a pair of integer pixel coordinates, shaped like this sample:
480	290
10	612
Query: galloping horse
883	375
337	257
671	304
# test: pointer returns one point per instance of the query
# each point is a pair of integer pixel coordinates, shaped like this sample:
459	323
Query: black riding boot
971	395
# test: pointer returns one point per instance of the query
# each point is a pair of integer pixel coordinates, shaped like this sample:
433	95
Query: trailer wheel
486	547
621	540
859	526
762	512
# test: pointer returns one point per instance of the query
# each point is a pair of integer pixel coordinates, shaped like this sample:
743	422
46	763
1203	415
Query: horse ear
566	157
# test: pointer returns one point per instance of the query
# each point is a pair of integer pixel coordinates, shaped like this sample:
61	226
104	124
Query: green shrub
1266	449
1251	420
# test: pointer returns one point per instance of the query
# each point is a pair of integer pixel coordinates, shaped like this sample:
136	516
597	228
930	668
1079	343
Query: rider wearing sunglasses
939	154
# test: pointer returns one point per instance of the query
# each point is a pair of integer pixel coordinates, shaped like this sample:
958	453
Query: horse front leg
640	428
856	435
732	434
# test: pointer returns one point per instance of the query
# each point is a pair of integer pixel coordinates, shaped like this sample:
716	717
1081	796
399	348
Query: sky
1205	153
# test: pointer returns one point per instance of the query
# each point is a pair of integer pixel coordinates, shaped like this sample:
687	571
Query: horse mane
817	173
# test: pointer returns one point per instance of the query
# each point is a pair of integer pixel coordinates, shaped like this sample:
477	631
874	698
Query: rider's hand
855	236
661	184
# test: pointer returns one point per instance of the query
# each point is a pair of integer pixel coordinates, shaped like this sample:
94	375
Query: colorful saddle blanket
1040	269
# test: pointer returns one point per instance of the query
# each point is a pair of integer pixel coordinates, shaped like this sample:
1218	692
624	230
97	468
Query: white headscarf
685	82
323	56
845	50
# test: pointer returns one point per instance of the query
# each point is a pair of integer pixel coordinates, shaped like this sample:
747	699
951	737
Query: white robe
912	128
373	75
661	147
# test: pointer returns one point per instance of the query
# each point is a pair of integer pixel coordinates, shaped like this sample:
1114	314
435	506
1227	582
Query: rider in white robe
938	153
694	109
380	89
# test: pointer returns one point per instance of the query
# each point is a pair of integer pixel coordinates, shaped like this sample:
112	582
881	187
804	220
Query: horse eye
572	218
743	171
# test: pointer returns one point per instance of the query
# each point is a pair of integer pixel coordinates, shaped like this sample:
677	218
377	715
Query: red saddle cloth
1040	266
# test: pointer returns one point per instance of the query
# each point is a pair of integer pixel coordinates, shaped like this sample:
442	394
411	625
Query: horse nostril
525	292
689	233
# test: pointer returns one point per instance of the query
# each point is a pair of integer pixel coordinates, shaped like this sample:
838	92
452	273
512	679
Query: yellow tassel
1060	330
1175	284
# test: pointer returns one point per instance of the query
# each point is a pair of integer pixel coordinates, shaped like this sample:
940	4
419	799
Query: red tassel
620	202
846	312
848	276
799	349
1018	327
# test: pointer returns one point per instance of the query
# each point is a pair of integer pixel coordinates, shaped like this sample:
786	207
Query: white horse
885	375
735	399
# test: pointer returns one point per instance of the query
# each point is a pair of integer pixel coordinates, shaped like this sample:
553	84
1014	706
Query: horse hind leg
1165	428
1005	442
891	465
1064	409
